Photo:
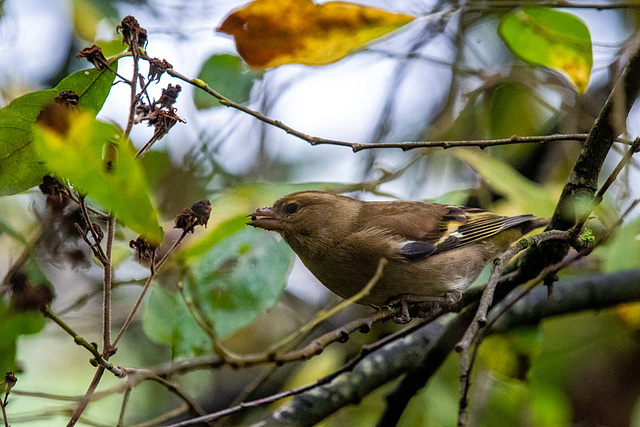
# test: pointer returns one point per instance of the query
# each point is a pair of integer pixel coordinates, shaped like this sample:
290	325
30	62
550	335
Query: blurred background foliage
446	80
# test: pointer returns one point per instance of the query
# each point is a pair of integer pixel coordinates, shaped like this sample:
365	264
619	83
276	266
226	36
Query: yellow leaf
551	38
98	161
629	315
85	19
270	33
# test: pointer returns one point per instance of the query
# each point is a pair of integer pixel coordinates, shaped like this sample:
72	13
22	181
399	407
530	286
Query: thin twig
108	349
359	146
134	99
154	269
511	4
324	315
347	367
108	277
97	396
257	402
162	419
133	311
4	413
408	145
552	270
597	199
95	245
123	408
100	359
480	318
87	397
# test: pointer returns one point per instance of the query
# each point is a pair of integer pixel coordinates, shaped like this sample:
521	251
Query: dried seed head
68	223
18	281
57	193
163	121
132	34
25	297
144	249
158	66
202	211
197	214
67	98
94	55
9	382
169	96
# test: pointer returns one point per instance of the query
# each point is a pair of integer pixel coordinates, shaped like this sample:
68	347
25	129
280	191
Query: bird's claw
402	302
404	316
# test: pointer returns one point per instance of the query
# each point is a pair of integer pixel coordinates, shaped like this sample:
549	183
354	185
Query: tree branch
579	191
435	341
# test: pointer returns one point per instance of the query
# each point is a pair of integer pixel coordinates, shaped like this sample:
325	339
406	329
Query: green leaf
159	318
554	39
116	180
167	321
624	251
12	326
111	47
523	196
227	75
188	338
514	109
20	167
240	278
214	237
92	86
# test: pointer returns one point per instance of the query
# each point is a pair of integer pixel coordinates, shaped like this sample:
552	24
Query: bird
434	251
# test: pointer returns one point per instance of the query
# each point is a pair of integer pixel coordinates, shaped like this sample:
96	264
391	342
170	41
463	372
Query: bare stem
597	199
102	361
4	413
123	408
355	146
134	98
324	315
86	398
154	268
127	322
108	278
480	318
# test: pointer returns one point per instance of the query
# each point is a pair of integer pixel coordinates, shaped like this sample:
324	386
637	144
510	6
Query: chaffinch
434	251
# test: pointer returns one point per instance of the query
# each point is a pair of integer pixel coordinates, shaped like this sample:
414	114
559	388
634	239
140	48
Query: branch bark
582	184
435	341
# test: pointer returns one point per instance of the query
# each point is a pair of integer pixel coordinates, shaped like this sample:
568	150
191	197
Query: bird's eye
291	208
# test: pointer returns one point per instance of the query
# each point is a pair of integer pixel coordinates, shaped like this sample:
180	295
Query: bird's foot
404	317
402	302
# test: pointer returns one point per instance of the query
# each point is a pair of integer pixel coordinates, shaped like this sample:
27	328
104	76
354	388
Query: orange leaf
269	33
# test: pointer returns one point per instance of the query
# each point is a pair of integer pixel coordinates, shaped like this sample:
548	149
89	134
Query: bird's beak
266	219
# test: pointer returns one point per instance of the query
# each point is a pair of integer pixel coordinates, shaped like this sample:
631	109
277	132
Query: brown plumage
434	251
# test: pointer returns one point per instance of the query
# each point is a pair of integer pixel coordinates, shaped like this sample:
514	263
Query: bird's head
307	219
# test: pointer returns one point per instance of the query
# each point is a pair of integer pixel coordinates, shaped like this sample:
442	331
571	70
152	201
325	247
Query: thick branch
432	343
582	184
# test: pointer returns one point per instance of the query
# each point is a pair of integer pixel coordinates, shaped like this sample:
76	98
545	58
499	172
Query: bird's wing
480	225
418	230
